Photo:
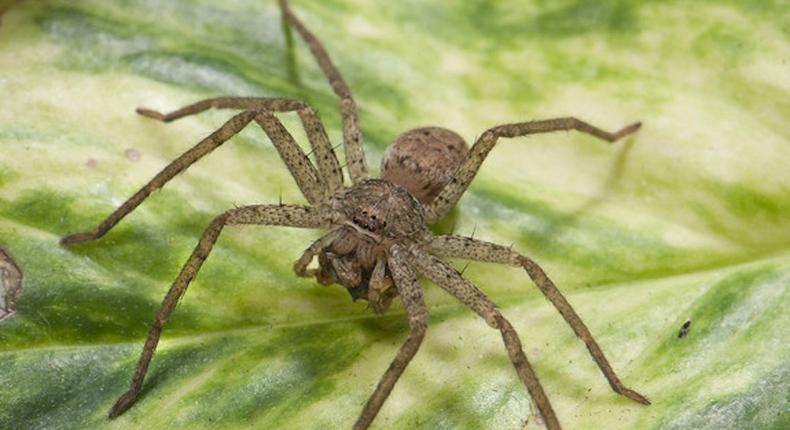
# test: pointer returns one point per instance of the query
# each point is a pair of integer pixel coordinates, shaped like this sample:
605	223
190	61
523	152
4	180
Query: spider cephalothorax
376	213
377	241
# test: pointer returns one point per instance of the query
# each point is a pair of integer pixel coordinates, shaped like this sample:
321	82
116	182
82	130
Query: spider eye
368	220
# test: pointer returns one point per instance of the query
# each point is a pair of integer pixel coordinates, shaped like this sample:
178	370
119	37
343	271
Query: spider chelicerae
378	241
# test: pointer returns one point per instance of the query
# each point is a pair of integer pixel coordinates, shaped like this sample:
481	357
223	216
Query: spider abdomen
423	160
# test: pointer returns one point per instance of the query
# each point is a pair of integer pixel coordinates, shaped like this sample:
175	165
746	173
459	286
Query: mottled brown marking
423	160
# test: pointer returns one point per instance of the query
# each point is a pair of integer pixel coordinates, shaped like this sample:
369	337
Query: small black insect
684	329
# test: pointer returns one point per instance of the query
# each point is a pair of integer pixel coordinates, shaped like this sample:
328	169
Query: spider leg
448	197
274	104
302	170
297	162
473	249
408	286
214	140
352	136
454	283
379	287
300	267
282	215
326	159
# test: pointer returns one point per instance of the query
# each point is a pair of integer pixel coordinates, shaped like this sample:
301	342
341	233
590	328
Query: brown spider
378	240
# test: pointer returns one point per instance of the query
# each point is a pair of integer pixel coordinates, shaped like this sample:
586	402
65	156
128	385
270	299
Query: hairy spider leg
324	153
461	179
315	248
279	215
304	173
410	293
352	135
478	250
446	277
214	140
302	170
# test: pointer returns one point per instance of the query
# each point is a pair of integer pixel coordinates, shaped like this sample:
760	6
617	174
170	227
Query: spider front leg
352	136
282	215
326	160
460	181
473	249
273	104
315	248
300	167
214	140
405	279
454	283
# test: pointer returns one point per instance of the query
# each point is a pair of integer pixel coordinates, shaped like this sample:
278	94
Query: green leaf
688	220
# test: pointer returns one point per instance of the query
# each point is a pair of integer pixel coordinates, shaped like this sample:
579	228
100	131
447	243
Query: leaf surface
688	220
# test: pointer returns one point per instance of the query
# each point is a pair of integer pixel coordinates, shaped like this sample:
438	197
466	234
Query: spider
378	241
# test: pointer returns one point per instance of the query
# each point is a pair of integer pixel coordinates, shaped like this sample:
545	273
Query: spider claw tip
122	404
150	113
77	237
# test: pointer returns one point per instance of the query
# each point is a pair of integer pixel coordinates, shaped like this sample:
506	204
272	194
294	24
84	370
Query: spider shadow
546	234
